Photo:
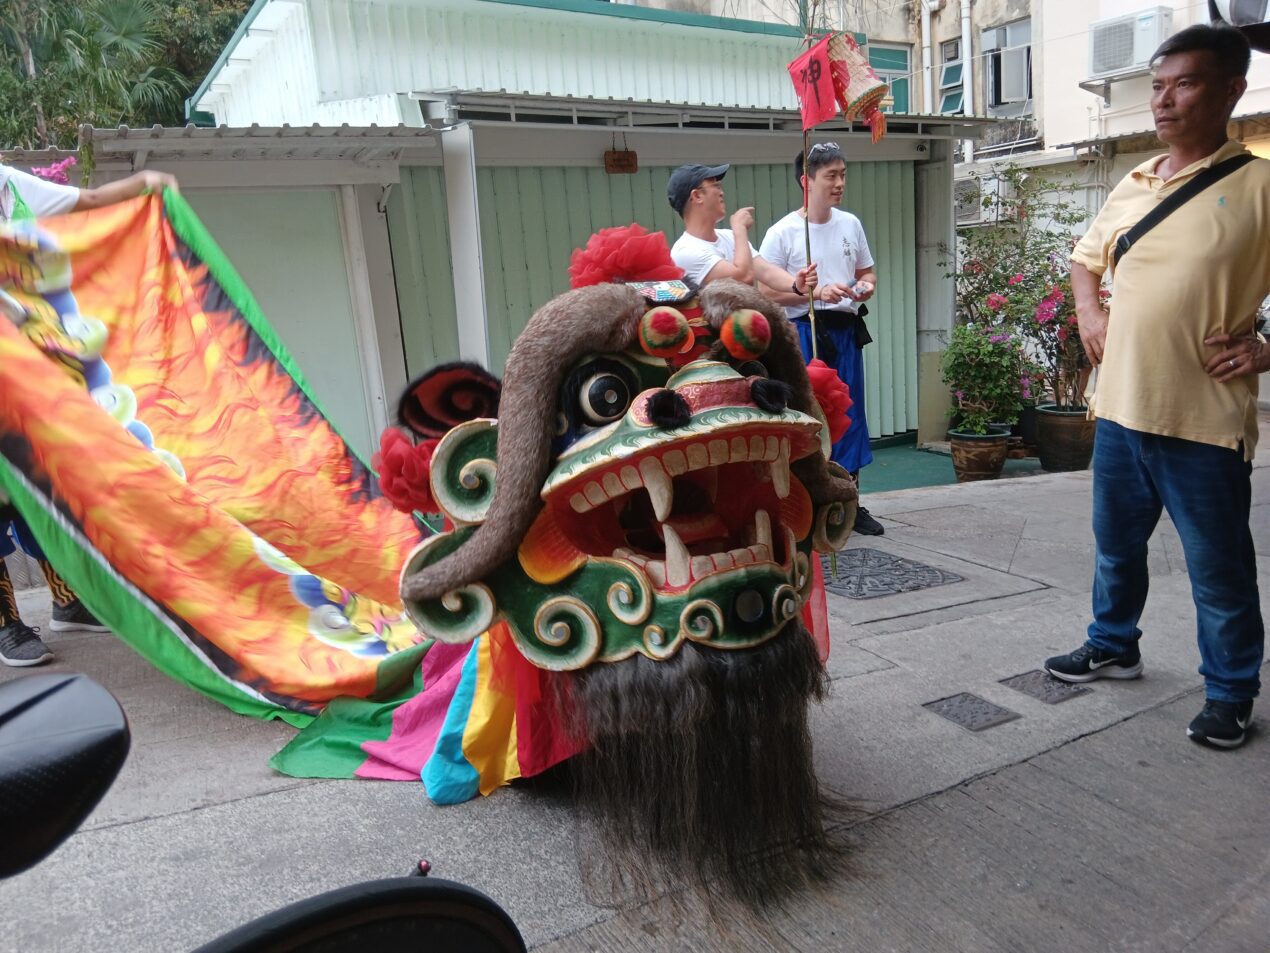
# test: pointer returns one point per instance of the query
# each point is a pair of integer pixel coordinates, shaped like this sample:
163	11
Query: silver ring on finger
1231	363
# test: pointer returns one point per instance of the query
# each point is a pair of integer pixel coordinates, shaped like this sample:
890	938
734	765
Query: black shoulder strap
1209	176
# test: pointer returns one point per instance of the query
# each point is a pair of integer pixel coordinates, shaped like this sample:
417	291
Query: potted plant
1065	434
981	366
1015	273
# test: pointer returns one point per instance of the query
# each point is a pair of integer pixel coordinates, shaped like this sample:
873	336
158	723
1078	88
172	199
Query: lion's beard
699	769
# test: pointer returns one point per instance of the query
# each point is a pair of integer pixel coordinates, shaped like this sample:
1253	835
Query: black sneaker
75	617
1221	724
1088	663
866	525
21	646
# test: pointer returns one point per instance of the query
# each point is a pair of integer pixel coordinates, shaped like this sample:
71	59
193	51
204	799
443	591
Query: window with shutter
1008	68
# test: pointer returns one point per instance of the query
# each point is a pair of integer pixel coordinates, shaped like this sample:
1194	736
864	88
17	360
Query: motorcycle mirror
63	739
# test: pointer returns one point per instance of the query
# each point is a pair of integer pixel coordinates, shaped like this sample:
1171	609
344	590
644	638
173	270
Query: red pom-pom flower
404	469
833	395
625	253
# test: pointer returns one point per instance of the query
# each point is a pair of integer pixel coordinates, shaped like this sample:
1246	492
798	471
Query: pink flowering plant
1013	274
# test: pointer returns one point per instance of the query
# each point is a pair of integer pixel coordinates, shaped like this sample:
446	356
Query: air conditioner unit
977	199
1123	44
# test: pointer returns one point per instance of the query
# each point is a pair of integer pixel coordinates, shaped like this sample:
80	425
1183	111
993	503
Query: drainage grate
1044	686
871	573
971	712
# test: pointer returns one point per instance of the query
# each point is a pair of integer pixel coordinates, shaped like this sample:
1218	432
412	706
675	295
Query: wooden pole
811	301
807	14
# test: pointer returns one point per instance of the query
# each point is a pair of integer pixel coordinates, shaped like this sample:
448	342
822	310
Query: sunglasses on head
823	147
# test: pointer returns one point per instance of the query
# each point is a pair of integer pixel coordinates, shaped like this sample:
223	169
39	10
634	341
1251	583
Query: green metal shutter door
419	233
533	218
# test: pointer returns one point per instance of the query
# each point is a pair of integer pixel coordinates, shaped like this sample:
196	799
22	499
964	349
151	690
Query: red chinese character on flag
813	82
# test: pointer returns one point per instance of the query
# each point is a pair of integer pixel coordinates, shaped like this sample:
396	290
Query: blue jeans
1207	492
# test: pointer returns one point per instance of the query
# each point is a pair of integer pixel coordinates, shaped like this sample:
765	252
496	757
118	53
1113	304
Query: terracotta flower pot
1065	438
978	456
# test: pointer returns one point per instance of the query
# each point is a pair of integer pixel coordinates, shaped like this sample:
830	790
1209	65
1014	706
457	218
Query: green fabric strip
331	747
126	610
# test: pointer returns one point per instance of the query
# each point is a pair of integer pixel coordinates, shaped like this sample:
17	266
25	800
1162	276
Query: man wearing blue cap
707	254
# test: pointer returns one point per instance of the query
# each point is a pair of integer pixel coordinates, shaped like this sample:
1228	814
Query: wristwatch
794	289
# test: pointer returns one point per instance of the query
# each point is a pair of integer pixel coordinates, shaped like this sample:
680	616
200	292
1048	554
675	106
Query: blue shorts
851	452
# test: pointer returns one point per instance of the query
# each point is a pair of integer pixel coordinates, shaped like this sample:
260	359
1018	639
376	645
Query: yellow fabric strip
489	741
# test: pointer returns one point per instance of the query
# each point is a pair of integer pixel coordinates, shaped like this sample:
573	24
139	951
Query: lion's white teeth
763	529
780	471
661	490
656	570
677	564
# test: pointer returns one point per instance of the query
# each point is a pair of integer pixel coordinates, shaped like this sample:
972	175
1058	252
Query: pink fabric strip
417	723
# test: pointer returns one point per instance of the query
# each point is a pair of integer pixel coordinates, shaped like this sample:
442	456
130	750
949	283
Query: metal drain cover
871	573
971	712
1044	686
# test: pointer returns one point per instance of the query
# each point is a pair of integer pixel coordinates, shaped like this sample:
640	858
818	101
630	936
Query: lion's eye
603	398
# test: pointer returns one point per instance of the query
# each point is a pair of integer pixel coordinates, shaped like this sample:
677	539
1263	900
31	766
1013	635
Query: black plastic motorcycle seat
63	739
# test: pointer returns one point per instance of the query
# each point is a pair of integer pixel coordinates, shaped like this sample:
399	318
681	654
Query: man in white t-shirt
25	196
848	278
707	254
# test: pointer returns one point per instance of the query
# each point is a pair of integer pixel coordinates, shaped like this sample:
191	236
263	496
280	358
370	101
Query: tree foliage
104	62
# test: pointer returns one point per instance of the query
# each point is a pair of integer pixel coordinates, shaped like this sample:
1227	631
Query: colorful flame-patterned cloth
173	464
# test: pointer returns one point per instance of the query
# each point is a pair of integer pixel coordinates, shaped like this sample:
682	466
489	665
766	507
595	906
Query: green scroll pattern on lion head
621	506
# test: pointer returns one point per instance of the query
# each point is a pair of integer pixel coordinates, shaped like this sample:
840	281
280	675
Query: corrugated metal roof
261	142
35	157
1254	118
648	115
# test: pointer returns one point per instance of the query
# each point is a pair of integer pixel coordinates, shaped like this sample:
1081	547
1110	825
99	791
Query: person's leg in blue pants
1126	511
852	451
1207	491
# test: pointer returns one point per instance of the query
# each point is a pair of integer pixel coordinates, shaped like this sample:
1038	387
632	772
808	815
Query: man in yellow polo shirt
1176	388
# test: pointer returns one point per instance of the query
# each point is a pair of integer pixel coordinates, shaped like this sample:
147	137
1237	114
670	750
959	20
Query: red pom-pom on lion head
625	253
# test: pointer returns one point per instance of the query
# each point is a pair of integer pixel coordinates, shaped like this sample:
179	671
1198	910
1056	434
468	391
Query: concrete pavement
1090	824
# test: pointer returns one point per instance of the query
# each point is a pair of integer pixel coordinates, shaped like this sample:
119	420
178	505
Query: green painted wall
419	231
288	247
533	218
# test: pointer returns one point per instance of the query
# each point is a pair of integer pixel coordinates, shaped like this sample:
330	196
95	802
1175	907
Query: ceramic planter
978	456
1065	438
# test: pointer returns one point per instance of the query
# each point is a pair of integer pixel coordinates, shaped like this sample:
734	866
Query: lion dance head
640	502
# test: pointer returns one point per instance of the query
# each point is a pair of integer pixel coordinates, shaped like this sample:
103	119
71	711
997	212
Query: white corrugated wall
370	47
278	83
